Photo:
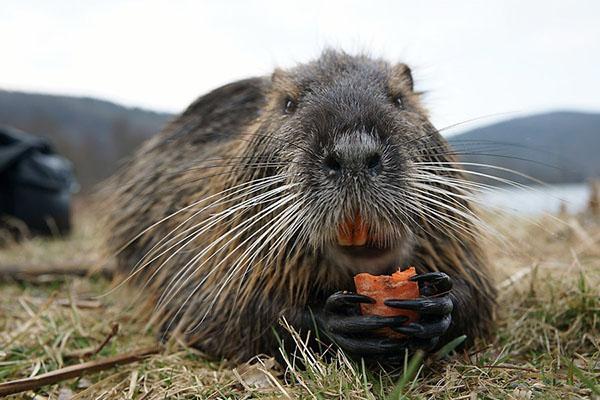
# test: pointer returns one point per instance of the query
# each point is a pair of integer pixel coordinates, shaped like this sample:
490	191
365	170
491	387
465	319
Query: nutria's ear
284	83
279	75
403	74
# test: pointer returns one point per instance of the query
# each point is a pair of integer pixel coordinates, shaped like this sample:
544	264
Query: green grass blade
450	346
589	383
409	373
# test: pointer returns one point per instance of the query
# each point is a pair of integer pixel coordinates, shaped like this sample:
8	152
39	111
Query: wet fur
238	133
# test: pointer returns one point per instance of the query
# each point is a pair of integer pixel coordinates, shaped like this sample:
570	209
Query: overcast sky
475	58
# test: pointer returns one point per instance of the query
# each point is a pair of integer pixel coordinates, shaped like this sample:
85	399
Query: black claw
425	329
403	355
362	324
427	306
371	347
433	283
424	344
342	300
412	329
430	277
357	334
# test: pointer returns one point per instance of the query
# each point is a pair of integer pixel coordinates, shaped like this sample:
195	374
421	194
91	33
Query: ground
547	343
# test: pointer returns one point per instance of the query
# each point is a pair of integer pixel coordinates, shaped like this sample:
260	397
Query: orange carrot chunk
385	287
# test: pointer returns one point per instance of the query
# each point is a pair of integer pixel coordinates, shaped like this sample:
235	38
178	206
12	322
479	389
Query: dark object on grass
35	185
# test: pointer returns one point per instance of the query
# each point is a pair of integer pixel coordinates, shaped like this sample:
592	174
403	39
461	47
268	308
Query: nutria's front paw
354	333
435	309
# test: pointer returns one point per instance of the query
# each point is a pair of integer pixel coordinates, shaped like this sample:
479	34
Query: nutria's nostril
355	163
374	163
332	164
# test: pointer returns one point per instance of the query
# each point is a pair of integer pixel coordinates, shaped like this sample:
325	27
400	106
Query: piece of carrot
385	287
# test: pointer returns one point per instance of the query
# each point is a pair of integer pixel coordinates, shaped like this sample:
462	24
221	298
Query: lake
538	199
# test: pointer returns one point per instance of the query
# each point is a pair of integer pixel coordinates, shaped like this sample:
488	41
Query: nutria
230	218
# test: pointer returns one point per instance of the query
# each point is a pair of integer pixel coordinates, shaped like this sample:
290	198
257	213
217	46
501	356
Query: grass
547	343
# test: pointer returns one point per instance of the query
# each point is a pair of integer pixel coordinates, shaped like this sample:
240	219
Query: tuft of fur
224	219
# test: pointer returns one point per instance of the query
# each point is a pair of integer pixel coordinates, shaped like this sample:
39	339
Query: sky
482	60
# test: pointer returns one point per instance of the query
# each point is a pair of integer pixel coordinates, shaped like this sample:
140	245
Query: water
538	199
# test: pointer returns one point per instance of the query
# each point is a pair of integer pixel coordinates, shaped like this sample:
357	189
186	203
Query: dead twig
41	273
511	367
79	303
77	370
87	353
147	394
516	277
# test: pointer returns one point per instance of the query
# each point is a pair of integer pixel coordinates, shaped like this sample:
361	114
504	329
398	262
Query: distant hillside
93	133
557	147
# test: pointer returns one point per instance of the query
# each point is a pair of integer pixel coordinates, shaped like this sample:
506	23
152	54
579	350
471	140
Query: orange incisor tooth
345	233
361	233
353	232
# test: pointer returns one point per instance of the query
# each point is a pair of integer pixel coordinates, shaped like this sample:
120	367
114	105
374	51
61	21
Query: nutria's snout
354	154
357	183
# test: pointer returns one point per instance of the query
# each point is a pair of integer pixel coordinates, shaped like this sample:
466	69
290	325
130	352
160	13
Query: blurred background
510	83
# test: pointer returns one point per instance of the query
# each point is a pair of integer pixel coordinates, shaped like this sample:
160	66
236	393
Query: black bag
35	184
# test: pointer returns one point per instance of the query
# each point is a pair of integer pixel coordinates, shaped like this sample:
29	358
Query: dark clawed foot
434	308
357	334
433	283
426	329
342	322
424	305
346	302
371	347
409	346
363	323
342	315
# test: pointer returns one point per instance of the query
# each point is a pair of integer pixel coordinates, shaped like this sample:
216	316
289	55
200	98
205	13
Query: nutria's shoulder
220	114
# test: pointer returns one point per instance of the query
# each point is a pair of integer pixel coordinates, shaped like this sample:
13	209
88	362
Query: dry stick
516	277
147	394
132	384
77	370
80	303
86	353
26	272
513	367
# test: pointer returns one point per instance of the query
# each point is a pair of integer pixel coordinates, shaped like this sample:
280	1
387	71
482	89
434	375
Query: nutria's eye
290	106
398	102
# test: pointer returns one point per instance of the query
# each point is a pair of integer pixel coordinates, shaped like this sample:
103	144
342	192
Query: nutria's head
349	134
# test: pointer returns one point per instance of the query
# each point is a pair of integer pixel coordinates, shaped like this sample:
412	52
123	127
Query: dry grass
547	343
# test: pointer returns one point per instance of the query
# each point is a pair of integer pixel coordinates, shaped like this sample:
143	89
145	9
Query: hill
93	133
556	147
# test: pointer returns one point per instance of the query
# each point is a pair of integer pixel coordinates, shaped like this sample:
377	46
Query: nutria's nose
354	154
